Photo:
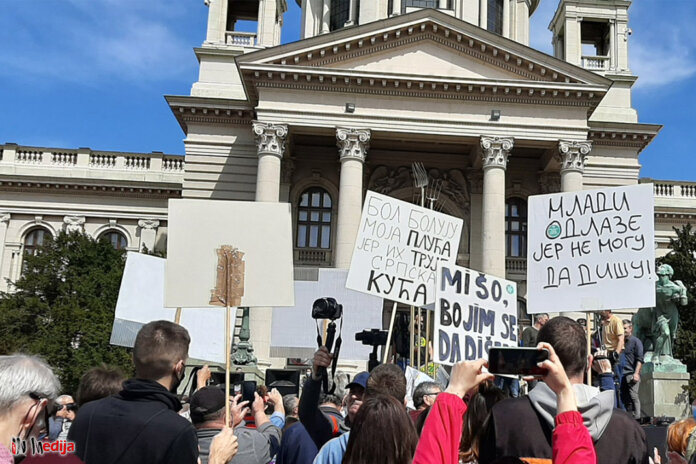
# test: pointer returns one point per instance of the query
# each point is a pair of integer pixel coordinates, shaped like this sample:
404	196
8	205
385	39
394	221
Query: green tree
682	258
62	307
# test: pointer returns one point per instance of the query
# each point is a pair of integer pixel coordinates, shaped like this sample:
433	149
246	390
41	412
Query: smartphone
248	390
516	361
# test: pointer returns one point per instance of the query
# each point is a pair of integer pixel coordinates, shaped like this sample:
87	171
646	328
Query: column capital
475	177
495	151
353	143
270	138
572	154
550	182
148	224
74	223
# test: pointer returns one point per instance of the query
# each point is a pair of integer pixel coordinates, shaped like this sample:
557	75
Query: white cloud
661	60
96	42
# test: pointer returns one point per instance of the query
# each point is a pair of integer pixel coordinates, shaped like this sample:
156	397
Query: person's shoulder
624	421
518	404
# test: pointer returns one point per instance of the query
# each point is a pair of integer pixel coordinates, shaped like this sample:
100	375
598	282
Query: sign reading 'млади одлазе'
591	250
398	248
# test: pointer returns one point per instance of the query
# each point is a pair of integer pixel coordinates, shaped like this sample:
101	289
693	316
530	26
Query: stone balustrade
673	189
241	39
595	63
84	162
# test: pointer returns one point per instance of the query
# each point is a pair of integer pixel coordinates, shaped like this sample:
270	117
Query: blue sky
92	73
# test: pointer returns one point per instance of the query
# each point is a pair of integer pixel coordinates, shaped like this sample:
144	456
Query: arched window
116	238
340	14
495	16
314	219
34	239
516	228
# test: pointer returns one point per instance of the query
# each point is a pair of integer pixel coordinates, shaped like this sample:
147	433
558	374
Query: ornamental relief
386	180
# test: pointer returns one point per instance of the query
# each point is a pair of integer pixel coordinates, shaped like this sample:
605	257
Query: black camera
612	356
373	337
327	308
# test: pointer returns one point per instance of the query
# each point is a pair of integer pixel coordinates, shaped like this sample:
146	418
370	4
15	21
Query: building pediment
388	45
425	53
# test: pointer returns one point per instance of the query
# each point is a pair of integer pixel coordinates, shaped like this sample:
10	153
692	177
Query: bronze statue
666	314
657	327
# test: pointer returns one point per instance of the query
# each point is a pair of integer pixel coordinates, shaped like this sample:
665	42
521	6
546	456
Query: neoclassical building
371	87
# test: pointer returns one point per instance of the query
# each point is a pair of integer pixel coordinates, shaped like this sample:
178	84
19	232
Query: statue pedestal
662	393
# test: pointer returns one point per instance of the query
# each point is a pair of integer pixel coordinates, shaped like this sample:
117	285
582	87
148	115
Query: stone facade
349	108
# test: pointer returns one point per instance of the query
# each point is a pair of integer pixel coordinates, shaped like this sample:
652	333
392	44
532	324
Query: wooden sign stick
385	356
228	292
589	348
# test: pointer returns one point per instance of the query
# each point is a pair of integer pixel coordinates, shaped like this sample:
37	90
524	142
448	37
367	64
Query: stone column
352	148
475	177
396	8
148	233
74	223
483	14
326	17
270	145
270	142
572	158
4	224
495	152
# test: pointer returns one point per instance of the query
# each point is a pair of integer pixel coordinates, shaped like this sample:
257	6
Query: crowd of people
470	420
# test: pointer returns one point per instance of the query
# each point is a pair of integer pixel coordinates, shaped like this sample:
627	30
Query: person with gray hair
28	388
291	403
529	335
424	396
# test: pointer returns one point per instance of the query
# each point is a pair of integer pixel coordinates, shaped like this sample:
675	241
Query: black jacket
138	425
322	423
514	428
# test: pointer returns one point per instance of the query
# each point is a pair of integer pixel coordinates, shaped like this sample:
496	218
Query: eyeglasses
44	427
433	393
68	406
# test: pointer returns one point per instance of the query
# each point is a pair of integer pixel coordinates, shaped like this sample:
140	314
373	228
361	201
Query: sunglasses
68	406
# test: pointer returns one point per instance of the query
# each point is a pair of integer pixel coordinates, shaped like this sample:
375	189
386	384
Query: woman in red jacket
439	442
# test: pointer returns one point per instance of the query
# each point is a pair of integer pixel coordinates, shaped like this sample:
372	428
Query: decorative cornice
495	151
136	192
572	155
353	143
550	182
74	223
270	138
148	224
453	88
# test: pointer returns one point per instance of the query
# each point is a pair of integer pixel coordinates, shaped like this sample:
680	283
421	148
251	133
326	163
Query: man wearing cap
208	417
320	427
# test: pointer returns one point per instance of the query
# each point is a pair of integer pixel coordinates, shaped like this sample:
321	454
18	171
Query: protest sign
591	250
262	232
294	332
141	300
473	312
398	248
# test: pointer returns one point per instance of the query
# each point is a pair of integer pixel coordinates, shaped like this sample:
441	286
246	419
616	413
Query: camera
373	337
327	308
612	356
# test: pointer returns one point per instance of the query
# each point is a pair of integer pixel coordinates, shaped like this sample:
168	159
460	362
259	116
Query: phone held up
517	361
246	389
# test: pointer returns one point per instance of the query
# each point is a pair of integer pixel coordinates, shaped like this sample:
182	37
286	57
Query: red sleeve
572	443
439	441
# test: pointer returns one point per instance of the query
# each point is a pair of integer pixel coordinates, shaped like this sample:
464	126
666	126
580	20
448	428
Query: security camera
629	31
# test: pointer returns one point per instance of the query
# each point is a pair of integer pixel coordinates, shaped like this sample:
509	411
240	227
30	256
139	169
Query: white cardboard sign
398	248
294	332
141	300
197	228
591	250
473	312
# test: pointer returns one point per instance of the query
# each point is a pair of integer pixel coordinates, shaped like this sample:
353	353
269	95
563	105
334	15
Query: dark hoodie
523	427
138	425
